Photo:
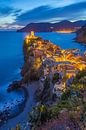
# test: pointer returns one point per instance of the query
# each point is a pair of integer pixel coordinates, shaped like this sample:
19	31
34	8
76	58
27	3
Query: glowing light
66	30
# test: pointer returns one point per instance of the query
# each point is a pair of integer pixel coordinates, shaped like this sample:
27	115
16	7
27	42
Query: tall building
32	34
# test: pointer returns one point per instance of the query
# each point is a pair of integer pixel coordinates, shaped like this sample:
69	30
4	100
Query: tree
79	81
38	115
66	94
55	78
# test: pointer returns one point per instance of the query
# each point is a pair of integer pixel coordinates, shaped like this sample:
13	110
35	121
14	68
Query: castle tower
32	34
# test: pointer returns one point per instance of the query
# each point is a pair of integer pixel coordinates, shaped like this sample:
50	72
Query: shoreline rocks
13	109
14	86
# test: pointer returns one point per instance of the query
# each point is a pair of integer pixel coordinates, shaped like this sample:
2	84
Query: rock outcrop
14	86
81	35
35	51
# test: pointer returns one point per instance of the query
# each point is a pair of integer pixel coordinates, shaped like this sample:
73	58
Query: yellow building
30	37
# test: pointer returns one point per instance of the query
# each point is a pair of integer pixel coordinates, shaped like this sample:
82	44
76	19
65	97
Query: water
11	61
11	58
65	41
11	54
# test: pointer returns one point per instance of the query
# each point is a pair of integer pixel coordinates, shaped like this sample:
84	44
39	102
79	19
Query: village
52	59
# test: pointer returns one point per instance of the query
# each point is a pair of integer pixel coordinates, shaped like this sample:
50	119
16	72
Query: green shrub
66	94
55	78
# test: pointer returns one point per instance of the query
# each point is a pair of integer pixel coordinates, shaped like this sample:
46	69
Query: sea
11	51
12	60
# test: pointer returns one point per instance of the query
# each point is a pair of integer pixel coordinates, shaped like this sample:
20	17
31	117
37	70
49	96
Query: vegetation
38	114
75	111
55	78
79	81
66	94
18	127
71	100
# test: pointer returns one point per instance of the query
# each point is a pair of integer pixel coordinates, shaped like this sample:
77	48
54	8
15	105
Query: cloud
10	27
47	13
5	11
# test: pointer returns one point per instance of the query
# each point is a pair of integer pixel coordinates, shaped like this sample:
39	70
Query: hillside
52	27
81	35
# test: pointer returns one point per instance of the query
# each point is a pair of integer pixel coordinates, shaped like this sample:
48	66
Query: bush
66	94
55	78
79	81
54	111
38	115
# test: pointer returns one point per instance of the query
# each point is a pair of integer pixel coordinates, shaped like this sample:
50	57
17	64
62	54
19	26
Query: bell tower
32	34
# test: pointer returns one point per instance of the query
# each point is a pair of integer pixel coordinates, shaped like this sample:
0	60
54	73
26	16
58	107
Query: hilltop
52	27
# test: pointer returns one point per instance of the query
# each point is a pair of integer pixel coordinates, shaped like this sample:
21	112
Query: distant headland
63	27
81	35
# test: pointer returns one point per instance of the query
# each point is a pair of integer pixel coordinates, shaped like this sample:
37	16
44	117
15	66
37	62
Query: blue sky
18	13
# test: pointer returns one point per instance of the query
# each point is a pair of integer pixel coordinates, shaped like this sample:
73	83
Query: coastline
22	118
28	102
14	107
17	109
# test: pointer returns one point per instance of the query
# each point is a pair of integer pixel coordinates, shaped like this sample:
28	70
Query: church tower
32	34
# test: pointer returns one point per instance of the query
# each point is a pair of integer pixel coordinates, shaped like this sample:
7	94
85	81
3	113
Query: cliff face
81	35
35	50
29	72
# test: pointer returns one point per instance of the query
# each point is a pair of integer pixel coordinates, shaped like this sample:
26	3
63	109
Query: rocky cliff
35	50
29	72
81	35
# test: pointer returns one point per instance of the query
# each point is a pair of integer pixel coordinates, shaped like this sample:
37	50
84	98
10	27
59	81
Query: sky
15	14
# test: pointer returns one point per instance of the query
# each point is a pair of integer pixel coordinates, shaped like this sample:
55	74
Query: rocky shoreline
16	85
12	111
28	75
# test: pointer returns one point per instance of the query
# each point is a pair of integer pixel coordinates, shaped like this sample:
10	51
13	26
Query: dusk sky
18	13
